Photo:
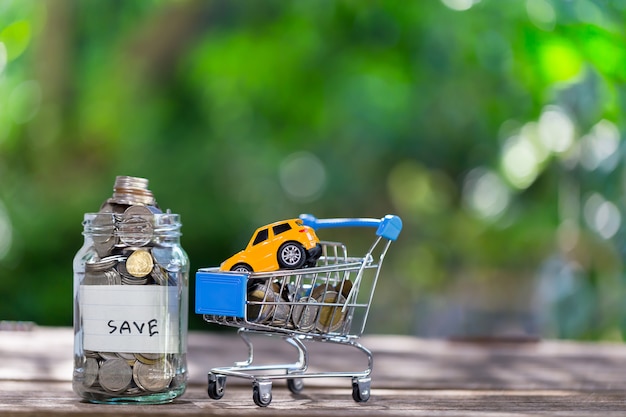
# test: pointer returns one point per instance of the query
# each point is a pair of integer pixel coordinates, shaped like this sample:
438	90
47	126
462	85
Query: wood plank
399	361
411	377
26	399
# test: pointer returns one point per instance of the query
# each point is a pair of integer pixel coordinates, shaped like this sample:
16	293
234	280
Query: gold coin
139	263
330	317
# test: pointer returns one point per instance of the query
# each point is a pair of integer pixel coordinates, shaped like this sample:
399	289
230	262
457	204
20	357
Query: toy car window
260	237
281	228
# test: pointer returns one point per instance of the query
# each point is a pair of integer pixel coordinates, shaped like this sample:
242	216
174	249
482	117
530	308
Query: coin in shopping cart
139	263
115	375
344	287
281	313
91	371
330	317
305	314
136	227
320	290
154	377
259	299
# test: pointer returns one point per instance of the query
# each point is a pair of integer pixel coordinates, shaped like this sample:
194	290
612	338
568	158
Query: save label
133	319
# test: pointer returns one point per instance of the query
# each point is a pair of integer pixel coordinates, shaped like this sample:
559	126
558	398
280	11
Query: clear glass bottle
131	280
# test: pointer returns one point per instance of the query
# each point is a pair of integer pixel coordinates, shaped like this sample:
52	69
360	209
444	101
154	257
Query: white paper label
126	318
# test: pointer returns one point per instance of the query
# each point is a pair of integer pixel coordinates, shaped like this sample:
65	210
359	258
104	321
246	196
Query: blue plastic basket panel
221	293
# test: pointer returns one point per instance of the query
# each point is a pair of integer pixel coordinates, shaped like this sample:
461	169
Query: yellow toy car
285	244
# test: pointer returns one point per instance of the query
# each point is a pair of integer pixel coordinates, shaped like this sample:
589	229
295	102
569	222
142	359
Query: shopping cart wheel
262	393
295	385
361	389
217	384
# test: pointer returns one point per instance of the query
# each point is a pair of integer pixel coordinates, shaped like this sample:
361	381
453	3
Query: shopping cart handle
389	226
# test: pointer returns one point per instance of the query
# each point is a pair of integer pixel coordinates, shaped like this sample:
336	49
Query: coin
112	277
330	317
344	288
305	314
134	281
128	357
115	375
102	264
159	275
136	227
131	191
103	233
91	371
259	299
154	377
149	358
140	263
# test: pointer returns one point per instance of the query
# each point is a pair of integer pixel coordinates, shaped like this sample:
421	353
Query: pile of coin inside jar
128	255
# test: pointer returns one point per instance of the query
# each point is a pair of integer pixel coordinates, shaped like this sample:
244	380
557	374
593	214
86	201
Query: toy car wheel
245	268
291	255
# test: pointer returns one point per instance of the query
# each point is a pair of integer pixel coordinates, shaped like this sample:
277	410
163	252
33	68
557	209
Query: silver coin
94	278
304	315
115	375
91	371
149	358
136	227
108	355
112	207
113	277
103	233
91	354
128	357
153	377
260	303
159	275
132	191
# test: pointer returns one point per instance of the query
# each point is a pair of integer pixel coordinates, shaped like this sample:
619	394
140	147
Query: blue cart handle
389	226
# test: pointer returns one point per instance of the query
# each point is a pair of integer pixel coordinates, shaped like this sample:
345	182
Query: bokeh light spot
599	147
602	216
560	60
460	5
541	14
3	56
416	190
556	129
520	161
303	176
24	101
6	232
16	38
485	194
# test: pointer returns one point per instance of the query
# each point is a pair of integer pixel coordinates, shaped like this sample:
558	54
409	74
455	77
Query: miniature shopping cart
329	302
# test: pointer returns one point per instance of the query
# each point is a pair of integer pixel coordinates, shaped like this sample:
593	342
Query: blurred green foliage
493	128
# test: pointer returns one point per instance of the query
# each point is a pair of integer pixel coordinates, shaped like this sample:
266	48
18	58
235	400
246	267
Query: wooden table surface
411	376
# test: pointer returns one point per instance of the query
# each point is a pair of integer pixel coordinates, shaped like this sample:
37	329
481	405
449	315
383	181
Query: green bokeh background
493	128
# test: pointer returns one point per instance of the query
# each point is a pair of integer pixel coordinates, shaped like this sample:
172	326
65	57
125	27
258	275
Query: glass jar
130	302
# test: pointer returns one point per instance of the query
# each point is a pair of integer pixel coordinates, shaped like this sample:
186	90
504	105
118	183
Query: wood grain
411	377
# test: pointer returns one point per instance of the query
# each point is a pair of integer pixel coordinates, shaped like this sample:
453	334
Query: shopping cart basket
329	302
